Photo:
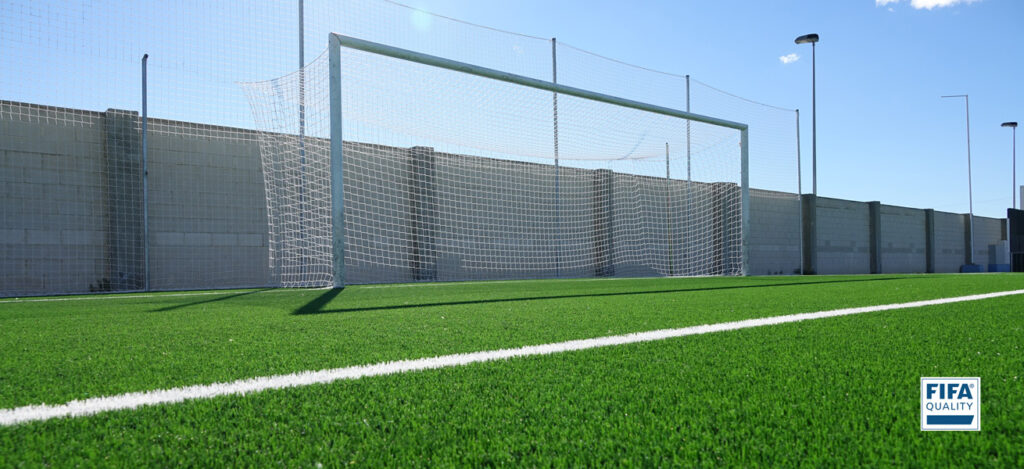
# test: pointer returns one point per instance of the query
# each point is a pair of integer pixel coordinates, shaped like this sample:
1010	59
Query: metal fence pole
689	188
799	193
558	194
671	219
145	178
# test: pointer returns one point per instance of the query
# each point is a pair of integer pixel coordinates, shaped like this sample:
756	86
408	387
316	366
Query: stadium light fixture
1013	190
970	189
813	40
807	38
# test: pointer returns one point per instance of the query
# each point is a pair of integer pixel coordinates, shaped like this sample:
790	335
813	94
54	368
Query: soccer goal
407	167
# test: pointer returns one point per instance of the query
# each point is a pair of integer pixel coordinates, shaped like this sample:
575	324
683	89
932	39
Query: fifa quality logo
950	404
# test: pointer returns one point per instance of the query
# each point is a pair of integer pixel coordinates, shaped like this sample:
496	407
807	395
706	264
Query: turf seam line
95	405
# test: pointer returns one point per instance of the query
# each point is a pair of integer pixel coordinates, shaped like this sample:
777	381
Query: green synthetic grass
831	391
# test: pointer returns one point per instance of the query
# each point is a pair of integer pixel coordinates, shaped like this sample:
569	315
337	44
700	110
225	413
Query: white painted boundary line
206	391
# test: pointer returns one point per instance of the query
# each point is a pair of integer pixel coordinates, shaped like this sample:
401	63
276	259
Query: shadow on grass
316	305
227	296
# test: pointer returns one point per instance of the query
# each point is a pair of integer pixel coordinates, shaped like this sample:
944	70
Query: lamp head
1009	124
807	38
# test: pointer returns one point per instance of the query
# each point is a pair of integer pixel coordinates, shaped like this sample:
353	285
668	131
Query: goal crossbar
337	41
340	40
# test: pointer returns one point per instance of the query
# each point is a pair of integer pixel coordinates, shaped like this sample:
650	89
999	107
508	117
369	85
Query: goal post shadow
316	305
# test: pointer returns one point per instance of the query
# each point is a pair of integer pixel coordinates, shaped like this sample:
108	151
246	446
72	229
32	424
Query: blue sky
883	132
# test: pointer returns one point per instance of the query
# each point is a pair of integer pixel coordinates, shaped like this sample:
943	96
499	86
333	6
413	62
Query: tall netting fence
76	215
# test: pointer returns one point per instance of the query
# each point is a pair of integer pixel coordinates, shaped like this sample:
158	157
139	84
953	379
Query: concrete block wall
209	229
71	212
640	225
950	241
863	237
381	250
775	239
843	240
987	231
902	243
52	211
207	217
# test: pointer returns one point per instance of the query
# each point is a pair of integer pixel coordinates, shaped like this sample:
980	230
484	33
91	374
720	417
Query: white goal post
338	41
409	167
337	150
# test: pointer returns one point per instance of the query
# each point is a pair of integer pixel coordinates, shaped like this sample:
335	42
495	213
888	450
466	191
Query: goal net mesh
451	176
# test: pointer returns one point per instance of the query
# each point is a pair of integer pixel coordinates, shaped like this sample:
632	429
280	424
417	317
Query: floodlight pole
970	188
814	118
145	178
813	40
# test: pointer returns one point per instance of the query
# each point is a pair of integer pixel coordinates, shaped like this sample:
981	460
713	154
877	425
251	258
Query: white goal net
454	176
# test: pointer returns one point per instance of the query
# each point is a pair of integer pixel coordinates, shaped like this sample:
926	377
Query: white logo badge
950	404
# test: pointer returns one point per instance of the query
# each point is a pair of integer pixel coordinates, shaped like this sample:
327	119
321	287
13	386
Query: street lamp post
813	40
970	189
1013	190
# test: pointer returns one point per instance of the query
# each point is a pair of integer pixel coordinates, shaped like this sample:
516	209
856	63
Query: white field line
133	400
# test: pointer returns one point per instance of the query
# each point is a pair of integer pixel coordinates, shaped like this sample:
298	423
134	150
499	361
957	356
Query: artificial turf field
835	392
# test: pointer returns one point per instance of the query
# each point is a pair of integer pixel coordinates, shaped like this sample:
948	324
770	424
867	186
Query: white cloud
925	4
929	4
789	58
